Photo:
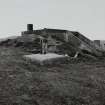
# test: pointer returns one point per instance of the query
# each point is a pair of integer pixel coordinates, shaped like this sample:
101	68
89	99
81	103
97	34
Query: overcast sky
85	16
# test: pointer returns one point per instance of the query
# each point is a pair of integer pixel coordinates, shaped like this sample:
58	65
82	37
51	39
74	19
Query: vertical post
46	47
66	36
41	43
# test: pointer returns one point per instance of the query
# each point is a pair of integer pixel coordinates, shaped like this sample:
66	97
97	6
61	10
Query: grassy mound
24	83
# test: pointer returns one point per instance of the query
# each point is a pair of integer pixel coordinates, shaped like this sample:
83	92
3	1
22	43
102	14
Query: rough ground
24	83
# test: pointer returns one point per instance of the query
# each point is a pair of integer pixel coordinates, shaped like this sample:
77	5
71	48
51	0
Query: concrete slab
45	58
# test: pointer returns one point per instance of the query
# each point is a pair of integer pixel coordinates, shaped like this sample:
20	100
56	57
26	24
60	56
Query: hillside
25	83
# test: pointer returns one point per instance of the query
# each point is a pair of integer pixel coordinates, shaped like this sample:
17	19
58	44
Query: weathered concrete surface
48	58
